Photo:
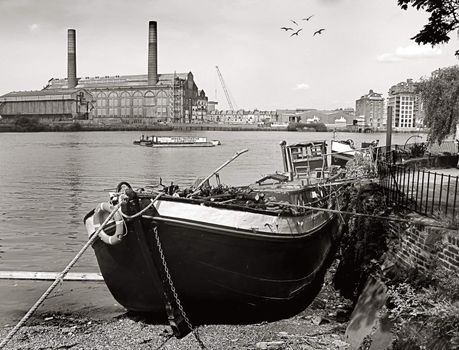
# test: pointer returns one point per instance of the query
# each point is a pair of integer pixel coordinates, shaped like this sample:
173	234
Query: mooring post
389	132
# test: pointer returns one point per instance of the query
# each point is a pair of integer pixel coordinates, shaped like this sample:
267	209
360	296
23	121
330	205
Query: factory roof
116	81
40	95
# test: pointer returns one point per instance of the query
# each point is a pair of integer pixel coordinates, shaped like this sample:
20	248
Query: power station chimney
71	59
152	53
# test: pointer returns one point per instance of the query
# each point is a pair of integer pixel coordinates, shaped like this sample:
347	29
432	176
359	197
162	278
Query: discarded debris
270	345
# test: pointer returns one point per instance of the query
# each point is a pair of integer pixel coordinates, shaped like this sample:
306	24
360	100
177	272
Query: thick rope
379	217
143	210
58	279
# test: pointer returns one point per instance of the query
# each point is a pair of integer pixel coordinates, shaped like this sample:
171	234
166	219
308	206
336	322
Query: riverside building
403	105
370	108
121	99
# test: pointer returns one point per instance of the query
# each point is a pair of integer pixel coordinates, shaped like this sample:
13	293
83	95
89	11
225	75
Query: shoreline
85	127
320	326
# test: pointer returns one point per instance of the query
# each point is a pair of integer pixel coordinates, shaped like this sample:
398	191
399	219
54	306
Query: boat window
316	150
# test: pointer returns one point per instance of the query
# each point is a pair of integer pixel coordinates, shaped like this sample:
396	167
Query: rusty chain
174	291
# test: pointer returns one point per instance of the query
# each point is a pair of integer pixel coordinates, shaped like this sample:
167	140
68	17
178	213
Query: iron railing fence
426	192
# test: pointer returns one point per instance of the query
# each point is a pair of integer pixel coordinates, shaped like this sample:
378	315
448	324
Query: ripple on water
50	181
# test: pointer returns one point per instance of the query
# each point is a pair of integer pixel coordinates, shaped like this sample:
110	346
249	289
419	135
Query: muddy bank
320	326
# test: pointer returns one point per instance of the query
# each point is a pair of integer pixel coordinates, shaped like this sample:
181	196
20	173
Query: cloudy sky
365	45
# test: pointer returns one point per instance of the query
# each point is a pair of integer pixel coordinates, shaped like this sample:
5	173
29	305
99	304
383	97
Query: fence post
441	192
417	191
447	194
407	200
433	193
455	196
422	190
403	188
389	183
427	192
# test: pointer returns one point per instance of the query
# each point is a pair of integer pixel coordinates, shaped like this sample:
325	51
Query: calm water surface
49	181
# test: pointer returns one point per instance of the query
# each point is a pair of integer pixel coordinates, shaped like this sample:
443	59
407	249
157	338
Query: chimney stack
152	53
71	59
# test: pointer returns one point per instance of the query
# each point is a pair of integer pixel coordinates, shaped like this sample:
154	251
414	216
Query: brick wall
424	247
449	256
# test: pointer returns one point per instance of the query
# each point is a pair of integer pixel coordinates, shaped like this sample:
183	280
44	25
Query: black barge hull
219	270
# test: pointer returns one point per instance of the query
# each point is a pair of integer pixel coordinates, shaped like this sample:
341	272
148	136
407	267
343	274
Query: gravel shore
320	326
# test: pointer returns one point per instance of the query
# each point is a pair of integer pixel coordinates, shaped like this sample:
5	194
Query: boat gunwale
242	232
285	212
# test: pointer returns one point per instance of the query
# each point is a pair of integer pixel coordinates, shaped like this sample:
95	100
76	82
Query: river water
49	181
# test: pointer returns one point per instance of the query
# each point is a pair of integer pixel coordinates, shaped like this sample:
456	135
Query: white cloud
301	86
411	52
33	27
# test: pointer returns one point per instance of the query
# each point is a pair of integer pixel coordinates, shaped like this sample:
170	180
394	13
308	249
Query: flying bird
308	18
296	33
293	21
318	31
286	28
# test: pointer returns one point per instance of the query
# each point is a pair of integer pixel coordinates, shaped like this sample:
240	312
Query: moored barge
257	251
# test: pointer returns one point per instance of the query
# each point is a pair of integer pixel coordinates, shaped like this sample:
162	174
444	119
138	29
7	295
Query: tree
440	99
444	18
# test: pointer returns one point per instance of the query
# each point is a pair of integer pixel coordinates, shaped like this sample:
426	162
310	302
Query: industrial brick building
126	99
370	107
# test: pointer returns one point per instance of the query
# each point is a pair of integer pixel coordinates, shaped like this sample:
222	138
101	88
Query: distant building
47	106
370	107
327	117
338	114
244	117
127	99
340	123
403	105
211	106
299	115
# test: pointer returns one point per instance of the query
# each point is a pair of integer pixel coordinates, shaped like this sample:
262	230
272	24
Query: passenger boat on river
176	141
216	252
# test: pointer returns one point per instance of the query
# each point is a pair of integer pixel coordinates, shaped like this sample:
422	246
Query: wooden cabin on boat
305	159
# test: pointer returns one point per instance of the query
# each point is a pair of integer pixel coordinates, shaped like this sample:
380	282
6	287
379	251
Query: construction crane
231	102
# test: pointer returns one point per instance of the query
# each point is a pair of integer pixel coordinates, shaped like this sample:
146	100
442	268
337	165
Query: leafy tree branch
442	21
440	98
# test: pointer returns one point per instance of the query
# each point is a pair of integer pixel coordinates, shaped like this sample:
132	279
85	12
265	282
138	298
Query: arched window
162	102
150	105
113	105
137	105
125	104
101	105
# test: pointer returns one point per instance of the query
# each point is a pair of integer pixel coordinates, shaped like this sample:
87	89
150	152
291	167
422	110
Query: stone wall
423	247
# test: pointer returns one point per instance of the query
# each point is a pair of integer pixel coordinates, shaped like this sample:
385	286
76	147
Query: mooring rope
58	279
379	217
143	210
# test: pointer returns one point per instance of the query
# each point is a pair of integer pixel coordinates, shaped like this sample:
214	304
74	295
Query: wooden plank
50	276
